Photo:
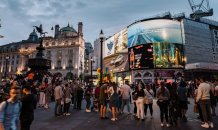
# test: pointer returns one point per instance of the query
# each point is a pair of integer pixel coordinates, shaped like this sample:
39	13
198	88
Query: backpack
46	80
7	105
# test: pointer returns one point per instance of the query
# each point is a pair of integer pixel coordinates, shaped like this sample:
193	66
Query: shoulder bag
145	98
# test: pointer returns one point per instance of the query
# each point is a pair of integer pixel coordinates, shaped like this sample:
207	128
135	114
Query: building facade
88	50
65	50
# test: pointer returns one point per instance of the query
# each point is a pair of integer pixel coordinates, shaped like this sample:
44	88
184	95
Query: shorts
183	105
103	102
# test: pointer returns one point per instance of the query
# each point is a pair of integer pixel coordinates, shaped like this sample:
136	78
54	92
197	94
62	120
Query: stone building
88	50
65	50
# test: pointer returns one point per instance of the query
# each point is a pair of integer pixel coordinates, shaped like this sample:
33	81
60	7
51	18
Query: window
26	48
26	65
59	62
17	56
87	64
16	69
8	62
53	43
48	52
46	44
26	56
12	69
215	32
70	63
87	68
3	69
0	63
1	58
17	62
12	63
12	57
87	60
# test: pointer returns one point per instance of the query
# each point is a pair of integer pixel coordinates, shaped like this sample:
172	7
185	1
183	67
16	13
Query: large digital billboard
161	30
156	55
117	43
118	62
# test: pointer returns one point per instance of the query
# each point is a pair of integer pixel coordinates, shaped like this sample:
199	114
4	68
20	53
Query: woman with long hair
140	102
114	99
150	95
42	94
172	105
163	96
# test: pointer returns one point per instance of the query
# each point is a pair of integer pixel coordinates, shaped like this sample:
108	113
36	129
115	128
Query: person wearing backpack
10	110
150	95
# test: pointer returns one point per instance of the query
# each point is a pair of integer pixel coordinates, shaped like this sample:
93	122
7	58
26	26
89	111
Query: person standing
10	110
48	95
114	100
150	95
125	96
28	106
42	95
97	94
72	95
79	96
103	100
30	77
58	97
67	92
182	92
203	98
75	87
34	90
198	105
163	96
87	97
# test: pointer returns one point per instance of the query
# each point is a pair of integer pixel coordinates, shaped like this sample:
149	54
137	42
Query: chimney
80	28
56	30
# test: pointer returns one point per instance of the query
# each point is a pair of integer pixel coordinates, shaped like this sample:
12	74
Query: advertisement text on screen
138	47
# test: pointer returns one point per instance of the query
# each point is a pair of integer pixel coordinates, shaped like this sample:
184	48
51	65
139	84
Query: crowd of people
172	99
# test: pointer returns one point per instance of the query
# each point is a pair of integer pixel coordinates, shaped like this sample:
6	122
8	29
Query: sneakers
168	125
64	114
162	124
144	116
211	125
113	119
129	113
58	115
116	119
87	110
205	126
97	110
67	114
109	110
46	107
121	112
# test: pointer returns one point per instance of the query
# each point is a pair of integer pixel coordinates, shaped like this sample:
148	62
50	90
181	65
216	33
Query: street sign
123	76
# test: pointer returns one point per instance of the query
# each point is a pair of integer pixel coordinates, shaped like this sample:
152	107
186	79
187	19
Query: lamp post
81	67
155	57
7	58
101	35
91	71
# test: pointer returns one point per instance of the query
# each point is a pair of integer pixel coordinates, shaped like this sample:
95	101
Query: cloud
80	5
18	16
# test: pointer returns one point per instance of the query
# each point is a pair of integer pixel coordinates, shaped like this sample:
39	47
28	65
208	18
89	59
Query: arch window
138	75
53	43
70	63
59	61
46	44
147	74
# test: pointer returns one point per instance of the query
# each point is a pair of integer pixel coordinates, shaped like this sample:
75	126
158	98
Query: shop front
121	77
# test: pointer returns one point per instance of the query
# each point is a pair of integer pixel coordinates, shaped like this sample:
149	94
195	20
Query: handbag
145	99
135	97
195	109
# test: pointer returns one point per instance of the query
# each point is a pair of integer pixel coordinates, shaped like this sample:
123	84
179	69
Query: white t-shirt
112	90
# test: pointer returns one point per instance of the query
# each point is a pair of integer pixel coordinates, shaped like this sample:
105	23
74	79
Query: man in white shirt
203	98
125	96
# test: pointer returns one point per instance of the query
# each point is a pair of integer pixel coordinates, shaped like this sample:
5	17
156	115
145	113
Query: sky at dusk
19	16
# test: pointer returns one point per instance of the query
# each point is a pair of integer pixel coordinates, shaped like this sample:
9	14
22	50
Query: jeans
88	102
72	98
25	123
75	101
200	112
135	108
140	107
150	107
164	109
57	106
127	103
205	107
66	107
79	102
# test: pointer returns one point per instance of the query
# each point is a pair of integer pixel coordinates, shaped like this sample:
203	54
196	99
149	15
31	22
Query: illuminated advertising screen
117	43
156	55
152	31
118	62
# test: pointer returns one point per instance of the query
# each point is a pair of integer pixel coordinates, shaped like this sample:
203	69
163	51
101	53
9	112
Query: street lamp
91	70
101	35
81	67
7	58
155	57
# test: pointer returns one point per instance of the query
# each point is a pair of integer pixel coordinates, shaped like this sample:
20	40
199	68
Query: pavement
80	120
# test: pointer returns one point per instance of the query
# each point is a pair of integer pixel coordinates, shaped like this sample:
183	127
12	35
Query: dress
114	99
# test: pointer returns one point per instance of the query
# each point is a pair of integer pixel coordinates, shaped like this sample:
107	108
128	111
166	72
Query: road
80	120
